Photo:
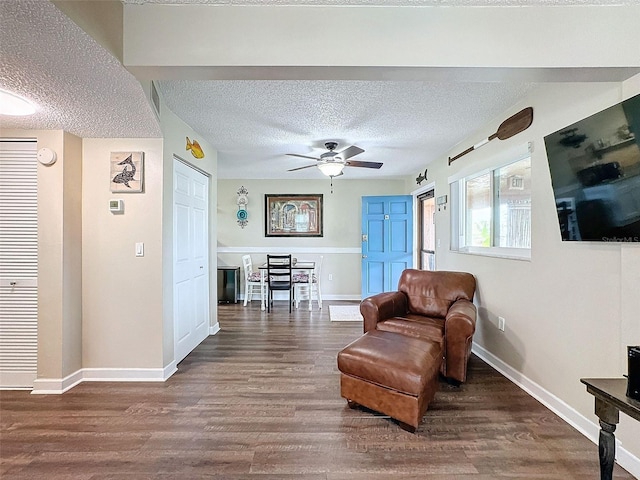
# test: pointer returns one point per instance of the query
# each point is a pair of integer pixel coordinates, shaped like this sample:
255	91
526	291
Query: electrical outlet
331	277
501	322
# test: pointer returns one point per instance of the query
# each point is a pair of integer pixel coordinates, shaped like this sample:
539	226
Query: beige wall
122	293
72	251
340	244
59	253
572	309
99	305
175	132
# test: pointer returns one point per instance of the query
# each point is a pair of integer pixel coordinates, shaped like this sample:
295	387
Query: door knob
364	256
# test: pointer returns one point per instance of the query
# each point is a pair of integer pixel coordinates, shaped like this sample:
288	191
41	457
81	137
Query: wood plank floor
260	400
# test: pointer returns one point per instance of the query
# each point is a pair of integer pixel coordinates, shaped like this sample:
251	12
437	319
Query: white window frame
458	215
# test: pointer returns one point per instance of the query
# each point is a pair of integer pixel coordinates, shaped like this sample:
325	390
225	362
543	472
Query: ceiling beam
573	43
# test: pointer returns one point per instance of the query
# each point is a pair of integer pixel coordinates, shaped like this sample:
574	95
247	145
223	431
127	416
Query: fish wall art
196	149
127	172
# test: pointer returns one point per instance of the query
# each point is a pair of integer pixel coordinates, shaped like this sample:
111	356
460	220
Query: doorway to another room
426	230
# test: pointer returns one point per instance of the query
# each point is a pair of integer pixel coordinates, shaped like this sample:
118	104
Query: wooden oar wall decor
511	126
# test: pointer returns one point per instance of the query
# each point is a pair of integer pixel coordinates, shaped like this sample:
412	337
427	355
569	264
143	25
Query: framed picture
127	172
293	215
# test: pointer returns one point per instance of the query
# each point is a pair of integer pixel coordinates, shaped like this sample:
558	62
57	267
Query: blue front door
387	242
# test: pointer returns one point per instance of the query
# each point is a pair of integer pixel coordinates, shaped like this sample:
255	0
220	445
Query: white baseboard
123	374
169	370
341	297
586	427
283	296
57	386
54	386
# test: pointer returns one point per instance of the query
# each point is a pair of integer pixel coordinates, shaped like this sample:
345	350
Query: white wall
340	244
572	310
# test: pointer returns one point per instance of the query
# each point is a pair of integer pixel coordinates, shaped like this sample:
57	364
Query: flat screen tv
595	172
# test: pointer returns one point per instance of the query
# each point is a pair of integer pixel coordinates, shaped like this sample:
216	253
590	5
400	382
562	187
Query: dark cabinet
228	284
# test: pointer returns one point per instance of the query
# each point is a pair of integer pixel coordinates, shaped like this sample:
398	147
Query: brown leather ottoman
391	373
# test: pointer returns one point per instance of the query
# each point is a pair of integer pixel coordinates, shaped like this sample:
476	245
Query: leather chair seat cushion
415	326
391	360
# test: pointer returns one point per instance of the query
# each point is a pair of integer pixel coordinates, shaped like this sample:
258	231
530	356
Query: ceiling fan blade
351	151
300	168
302	156
356	163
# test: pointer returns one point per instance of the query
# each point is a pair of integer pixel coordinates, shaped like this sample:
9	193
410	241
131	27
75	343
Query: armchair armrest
459	327
461	318
382	306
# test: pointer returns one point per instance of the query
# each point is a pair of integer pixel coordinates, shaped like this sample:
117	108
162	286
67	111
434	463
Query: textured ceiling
84	90
405	125
78	86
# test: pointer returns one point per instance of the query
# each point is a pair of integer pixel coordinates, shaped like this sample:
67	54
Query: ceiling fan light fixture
331	169
12	104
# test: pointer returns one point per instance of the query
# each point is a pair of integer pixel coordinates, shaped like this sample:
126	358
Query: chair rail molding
292	250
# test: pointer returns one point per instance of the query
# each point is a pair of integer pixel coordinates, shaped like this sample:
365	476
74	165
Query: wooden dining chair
303	289
279	277
252	281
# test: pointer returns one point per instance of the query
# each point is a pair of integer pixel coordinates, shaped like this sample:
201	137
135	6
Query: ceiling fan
331	163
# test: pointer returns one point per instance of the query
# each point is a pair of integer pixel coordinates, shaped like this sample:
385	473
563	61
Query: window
493	212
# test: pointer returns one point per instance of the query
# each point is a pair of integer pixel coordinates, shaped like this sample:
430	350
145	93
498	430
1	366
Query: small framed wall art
127	172
293	215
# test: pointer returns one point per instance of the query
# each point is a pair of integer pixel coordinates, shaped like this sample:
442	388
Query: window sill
498	252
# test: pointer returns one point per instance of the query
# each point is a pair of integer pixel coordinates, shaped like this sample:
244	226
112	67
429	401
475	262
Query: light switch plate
139	249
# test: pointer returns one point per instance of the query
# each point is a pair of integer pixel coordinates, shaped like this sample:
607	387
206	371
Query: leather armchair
433	305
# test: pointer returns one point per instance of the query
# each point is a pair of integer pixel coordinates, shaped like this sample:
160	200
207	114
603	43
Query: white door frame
416	247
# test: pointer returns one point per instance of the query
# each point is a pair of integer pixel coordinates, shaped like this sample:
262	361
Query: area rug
345	313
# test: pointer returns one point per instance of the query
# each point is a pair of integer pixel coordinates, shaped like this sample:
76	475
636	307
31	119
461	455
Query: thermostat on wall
116	206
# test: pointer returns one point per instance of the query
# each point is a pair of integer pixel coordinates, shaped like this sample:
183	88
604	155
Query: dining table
307	267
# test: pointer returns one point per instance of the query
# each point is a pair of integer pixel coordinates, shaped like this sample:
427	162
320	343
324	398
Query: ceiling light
12	104
331	169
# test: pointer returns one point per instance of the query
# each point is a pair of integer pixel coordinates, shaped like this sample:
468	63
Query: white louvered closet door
18	264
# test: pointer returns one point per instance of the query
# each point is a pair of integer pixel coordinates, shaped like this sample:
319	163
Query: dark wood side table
611	399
